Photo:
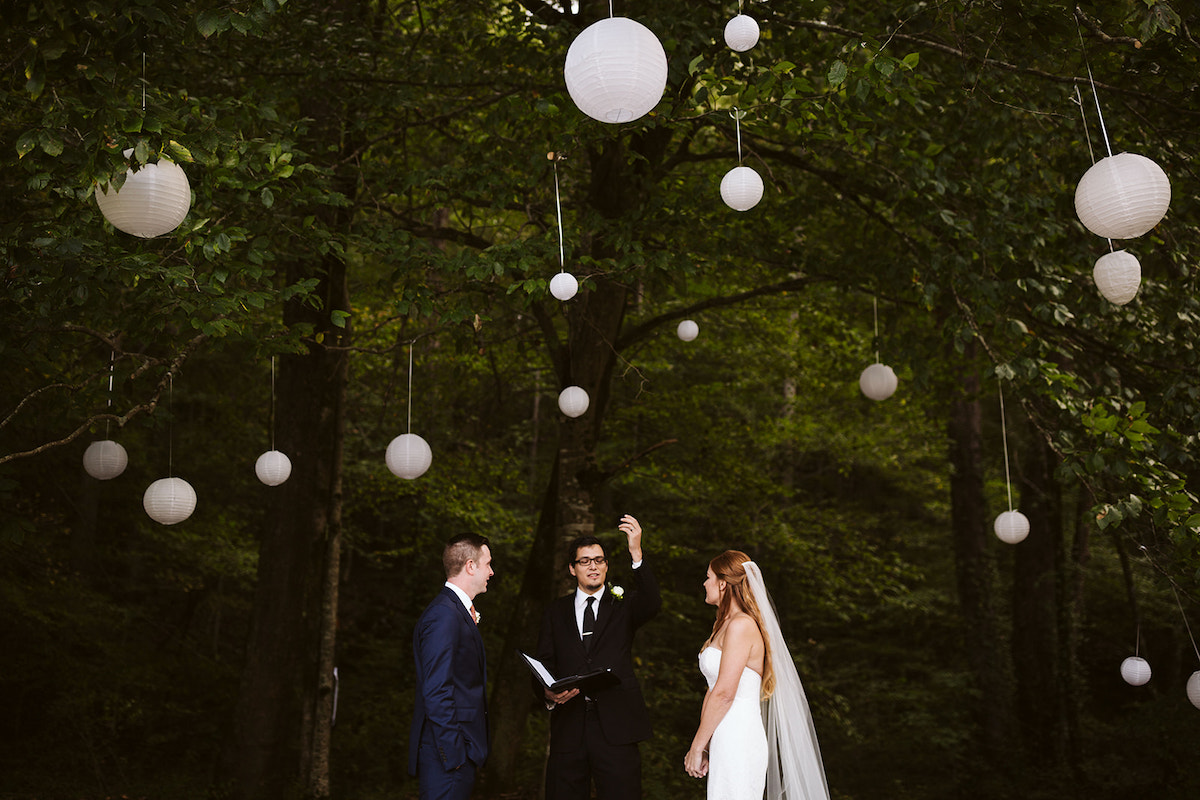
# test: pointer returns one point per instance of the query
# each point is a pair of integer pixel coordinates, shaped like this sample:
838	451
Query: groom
592	628
449	737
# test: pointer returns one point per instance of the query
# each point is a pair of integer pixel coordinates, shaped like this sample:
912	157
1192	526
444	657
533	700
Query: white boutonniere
618	593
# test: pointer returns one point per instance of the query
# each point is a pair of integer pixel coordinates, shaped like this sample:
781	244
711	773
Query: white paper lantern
1011	527
564	286
1118	276
273	468
573	401
878	382
616	70
1122	196
741	33
105	459
169	500
1135	671
741	188
152	201
408	456
1193	689
687	330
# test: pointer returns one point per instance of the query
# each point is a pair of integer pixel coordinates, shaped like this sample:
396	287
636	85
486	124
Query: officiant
596	737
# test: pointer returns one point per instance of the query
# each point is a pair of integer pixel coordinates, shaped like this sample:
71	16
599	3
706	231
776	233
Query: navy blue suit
449	737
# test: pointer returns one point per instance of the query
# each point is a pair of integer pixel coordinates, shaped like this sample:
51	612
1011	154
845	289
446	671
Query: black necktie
589	624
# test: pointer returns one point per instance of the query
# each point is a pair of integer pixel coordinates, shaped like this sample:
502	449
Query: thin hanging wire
610	11
737	121
562	259
875	311
1195	649
1088	136
410	365
143	81
272	414
112	366
1004	438
170	425
1092	82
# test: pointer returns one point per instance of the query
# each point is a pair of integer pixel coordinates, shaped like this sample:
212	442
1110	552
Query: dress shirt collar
581	599
462	596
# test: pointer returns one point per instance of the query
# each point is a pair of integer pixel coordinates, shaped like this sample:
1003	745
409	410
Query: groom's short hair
582	542
461	549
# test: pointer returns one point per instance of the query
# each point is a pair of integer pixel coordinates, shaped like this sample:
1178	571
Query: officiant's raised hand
633	533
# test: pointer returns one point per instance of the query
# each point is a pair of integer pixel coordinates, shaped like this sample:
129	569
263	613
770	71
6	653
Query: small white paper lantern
105	459
169	500
1122	196
1193	688
616	70
1118	276
878	382
564	286
152	201
741	188
273	468
408	456
687	330
1135	671
741	33
1011	527
573	401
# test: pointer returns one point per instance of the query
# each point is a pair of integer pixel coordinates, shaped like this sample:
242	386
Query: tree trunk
1038	644
973	568
281	725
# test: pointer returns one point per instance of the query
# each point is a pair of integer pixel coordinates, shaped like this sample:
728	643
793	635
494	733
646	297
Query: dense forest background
368	251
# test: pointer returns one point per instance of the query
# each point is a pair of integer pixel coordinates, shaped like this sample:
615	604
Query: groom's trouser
434	781
616	768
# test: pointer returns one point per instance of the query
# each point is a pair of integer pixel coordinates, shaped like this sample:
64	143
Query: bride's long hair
730	567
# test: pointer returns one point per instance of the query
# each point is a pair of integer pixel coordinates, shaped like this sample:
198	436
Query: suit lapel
607	607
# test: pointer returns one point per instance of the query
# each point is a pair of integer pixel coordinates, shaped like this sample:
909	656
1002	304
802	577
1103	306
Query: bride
750	676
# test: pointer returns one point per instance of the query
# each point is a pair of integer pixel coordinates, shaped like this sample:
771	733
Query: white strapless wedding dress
737	753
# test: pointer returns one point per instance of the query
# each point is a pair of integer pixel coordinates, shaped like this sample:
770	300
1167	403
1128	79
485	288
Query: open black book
587	683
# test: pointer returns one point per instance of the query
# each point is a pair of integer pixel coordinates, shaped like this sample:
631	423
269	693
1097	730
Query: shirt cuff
637	564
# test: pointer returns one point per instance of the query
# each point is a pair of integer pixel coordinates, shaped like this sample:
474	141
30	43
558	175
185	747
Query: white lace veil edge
794	767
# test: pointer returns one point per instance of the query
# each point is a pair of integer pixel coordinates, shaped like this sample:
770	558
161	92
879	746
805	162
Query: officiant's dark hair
584	541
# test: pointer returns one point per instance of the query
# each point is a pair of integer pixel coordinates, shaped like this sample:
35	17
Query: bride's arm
740	636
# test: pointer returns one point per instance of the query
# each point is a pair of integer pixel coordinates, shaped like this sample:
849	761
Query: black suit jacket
621	708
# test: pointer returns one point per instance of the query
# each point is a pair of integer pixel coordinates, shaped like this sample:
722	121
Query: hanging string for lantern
106	459
272	467
878	381
1011	526
741	188
169	500
408	456
1121	196
563	285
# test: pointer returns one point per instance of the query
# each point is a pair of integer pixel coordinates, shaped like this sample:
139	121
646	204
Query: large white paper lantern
741	188
573	401
273	468
152	201
1118	276
1135	671
878	382
1193	689
687	330
408	456
741	33
169	500
1011	527
564	286
1122	196
105	459
616	70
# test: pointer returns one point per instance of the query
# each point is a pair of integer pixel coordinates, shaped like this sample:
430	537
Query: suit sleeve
647	601
439	638
544	652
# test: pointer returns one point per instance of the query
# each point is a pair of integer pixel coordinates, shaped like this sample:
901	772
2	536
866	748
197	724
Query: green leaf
210	21
338	318
267	197
26	143
837	73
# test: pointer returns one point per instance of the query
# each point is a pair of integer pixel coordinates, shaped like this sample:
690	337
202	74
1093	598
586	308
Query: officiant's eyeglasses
599	561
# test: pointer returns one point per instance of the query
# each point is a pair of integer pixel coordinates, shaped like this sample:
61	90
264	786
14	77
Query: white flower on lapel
618	593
